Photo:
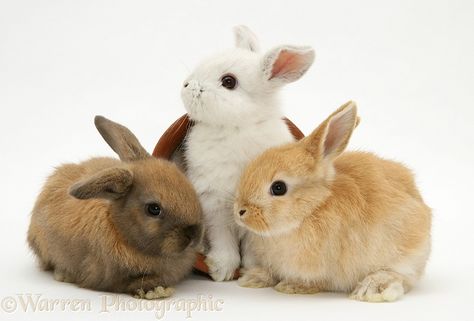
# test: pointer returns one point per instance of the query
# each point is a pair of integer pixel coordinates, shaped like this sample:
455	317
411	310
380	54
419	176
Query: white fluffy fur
231	128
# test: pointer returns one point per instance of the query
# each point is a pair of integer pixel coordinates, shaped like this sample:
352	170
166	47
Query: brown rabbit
323	220
122	226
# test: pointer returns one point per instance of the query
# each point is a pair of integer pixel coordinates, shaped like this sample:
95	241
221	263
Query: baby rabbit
232	100
324	220
121	226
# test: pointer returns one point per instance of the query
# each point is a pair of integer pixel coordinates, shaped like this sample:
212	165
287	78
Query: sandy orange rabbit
327	220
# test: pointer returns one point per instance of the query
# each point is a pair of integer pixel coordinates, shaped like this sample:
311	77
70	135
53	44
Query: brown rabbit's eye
278	188
229	81
153	209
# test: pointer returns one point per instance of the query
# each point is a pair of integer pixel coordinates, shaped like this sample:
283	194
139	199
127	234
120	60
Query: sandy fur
360	219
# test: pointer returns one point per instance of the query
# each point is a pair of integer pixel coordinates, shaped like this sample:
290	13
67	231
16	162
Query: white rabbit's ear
245	38
286	64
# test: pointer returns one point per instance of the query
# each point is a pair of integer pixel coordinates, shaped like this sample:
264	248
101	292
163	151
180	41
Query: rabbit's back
375	217
372	173
386	201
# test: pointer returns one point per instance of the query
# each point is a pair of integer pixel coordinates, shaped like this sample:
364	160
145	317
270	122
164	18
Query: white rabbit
232	99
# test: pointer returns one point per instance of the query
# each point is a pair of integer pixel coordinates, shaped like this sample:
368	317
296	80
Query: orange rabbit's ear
331	137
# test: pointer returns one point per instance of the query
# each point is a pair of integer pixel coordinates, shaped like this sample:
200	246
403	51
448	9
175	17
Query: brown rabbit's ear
332	136
120	139
110	183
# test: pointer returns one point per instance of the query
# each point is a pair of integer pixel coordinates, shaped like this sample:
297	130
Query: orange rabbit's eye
278	188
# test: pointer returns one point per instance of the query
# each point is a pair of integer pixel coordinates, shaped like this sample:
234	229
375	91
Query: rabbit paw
256	278
290	287
381	286
157	293
61	276
222	267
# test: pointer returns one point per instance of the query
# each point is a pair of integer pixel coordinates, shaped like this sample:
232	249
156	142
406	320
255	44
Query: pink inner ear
335	131
287	62
338	129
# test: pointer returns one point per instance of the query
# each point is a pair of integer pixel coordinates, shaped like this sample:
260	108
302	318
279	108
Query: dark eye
278	188
153	209
229	81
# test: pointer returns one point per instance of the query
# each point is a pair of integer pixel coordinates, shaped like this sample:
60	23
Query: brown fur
345	219
89	224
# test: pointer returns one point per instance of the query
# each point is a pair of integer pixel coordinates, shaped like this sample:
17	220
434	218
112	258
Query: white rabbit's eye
278	188
153	209
229	81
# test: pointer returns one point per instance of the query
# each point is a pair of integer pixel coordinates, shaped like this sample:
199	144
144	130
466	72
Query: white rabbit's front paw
222	266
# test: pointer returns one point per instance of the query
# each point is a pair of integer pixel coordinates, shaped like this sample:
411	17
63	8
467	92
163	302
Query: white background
408	65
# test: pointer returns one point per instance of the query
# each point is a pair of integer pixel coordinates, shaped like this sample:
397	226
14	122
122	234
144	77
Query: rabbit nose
193	85
191	231
242	212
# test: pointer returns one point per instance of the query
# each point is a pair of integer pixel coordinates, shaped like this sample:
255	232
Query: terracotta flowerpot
171	142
